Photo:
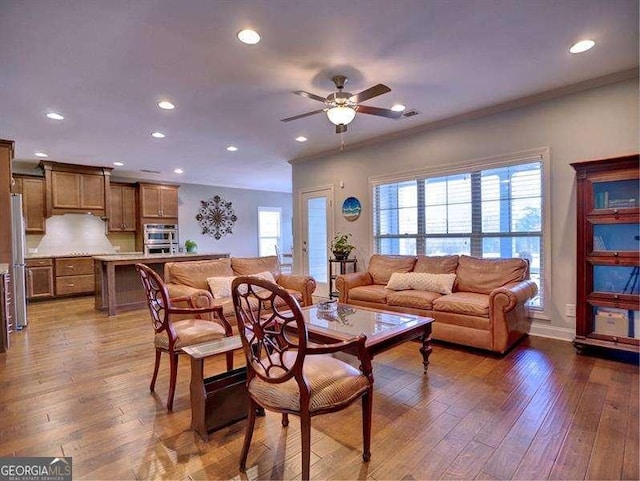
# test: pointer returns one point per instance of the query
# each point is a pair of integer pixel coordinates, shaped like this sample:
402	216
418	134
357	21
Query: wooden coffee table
384	329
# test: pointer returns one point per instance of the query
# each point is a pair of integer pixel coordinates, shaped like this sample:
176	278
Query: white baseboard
562	333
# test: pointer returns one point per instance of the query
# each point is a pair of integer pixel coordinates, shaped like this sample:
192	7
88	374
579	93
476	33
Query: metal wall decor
216	217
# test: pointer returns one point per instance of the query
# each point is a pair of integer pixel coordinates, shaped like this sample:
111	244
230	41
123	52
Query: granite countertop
133	256
71	254
4	269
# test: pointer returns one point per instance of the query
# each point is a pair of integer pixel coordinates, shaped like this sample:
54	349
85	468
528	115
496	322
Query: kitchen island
118	286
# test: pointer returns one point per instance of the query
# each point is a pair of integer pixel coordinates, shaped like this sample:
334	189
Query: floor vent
150	171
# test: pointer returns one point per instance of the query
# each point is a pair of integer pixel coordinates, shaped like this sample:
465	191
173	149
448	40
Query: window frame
541	155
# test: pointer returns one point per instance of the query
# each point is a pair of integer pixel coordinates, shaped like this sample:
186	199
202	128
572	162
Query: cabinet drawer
74	266
38	262
74	284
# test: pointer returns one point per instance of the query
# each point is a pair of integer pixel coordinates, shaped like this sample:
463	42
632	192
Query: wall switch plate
570	310
33	250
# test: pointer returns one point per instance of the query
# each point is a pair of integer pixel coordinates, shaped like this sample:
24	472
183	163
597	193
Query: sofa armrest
507	313
344	282
306	285
199	297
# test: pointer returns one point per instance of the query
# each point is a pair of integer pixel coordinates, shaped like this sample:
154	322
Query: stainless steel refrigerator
19	286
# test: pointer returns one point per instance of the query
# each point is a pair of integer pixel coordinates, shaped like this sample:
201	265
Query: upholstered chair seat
190	332
333	383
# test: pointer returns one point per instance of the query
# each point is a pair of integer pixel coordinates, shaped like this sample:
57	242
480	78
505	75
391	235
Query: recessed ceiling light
248	36
166	105
232	148
118	164
158	135
178	171
42	155
582	46
55	116
301	138
398	108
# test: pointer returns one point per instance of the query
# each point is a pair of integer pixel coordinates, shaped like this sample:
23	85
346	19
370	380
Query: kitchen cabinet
6	257
6	319
74	275
33	202
39	278
159	201
122	216
73	188
608	258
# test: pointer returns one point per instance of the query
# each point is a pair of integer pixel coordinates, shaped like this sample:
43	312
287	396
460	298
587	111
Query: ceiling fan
341	106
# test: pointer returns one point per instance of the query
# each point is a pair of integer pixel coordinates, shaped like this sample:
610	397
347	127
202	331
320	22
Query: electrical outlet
33	250
570	310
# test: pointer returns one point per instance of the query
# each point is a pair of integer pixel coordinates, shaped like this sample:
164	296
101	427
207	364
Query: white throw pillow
400	281
425	281
220	287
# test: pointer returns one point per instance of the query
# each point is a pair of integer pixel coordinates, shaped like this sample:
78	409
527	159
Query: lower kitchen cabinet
39	278
74	275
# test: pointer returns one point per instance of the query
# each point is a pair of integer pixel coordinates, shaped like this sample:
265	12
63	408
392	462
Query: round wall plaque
351	208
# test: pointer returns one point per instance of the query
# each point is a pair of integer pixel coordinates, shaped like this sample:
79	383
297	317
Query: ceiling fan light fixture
341	115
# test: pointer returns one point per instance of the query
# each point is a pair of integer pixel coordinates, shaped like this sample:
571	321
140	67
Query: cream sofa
190	279
484	310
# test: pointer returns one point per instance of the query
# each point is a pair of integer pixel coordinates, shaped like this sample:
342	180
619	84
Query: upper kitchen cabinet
122	217
73	188
33	202
159	202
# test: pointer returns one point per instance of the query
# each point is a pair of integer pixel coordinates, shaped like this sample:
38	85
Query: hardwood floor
76	383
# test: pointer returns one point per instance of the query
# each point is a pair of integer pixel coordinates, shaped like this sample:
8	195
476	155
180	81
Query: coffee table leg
425	350
198	398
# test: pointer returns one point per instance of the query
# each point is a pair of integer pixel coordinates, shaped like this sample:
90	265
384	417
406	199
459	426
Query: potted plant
341	247
190	245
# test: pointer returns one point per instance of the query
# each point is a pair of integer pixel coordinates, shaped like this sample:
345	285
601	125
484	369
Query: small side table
337	267
219	400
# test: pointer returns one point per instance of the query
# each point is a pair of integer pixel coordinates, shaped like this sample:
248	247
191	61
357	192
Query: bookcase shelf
608	259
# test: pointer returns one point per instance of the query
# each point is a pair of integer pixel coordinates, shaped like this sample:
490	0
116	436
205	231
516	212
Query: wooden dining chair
287	375
172	335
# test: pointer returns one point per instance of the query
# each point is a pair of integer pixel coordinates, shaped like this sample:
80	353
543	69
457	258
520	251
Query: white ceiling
105	64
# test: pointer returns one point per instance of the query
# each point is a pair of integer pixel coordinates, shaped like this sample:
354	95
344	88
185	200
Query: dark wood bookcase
608	236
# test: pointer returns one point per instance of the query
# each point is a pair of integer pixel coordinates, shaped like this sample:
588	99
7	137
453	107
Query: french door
317	230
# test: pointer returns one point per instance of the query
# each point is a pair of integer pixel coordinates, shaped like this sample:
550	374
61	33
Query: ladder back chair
288	375
172	335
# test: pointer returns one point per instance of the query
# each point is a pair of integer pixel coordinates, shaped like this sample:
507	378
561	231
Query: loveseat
475	302
209	282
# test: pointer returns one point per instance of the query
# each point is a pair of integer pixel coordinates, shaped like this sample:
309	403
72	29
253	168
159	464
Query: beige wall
597	123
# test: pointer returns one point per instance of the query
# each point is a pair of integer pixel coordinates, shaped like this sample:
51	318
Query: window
268	230
493	212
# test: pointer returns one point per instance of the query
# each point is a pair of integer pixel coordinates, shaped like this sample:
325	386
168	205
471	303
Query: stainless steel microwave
154	234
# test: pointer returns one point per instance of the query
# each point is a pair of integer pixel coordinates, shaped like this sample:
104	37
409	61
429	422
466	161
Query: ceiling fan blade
301	116
309	95
391	114
370	93
341	128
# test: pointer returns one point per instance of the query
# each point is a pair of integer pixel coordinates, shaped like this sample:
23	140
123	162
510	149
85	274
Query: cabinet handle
71	267
616	296
616	254
615	211
70	285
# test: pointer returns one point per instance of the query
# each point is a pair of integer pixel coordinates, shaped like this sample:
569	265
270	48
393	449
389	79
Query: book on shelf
598	243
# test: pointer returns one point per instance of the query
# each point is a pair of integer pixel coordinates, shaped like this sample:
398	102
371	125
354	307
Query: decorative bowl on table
329	305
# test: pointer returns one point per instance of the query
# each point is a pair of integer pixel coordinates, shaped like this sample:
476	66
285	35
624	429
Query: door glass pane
616	279
616	237
317	238
616	322
620	194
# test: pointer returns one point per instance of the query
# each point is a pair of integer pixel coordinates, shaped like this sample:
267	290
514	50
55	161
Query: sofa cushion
246	266
381	266
220	286
485	275
372	293
437	264
195	273
468	303
413	299
422	281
